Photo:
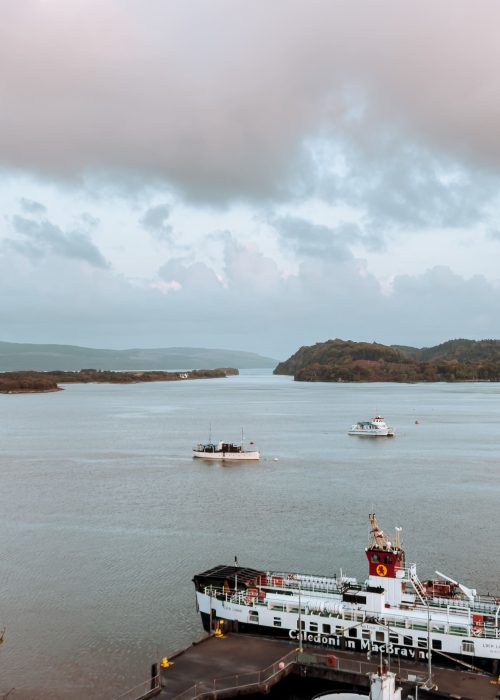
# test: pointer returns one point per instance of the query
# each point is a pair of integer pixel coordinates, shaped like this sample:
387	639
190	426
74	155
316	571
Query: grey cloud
32	207
155	220
494	234
324	300
248	272
196	280
89	221
40	238
202	108
408	185
316	241
441	304
97	308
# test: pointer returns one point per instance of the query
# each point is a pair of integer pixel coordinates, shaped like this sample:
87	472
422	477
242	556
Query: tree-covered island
348	361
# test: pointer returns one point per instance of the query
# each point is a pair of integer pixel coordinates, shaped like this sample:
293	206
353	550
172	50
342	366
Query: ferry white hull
366	631
392	612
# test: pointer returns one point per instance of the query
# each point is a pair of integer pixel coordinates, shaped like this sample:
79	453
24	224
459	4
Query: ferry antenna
398	537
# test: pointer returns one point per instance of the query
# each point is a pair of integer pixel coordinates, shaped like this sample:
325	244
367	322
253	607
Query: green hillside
345	360
20	356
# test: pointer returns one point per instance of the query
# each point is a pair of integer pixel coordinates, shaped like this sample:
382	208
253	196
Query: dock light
165	663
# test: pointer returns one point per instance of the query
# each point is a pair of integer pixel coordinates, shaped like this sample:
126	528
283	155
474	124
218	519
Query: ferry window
422	643
353	632
327	629
277	621
313	627
380	636
408	641
437	644
468	647
253	616
393	638
365	634
302	625
339	630
375	558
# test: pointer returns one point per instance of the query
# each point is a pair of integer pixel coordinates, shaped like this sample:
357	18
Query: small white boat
376	427
224	450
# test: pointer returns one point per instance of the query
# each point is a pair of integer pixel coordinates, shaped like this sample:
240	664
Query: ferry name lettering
363	645
315	638
393	650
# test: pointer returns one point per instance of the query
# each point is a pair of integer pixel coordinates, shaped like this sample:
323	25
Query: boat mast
378	537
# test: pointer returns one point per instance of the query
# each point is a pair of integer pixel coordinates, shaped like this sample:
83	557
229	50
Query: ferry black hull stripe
325	641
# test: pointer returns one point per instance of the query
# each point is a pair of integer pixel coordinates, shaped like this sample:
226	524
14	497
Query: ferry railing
458	608
313	586
482	604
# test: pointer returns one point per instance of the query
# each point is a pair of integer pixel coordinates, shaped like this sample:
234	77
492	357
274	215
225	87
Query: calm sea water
105	517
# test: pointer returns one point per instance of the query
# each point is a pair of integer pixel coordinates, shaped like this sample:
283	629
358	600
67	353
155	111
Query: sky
249	175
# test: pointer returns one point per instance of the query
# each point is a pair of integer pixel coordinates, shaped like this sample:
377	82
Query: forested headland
348	361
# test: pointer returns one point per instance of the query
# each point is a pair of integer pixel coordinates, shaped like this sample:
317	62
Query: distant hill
345	360
20	356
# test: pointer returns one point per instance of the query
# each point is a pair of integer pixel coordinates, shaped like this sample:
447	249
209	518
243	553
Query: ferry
224	451
393	612
376	427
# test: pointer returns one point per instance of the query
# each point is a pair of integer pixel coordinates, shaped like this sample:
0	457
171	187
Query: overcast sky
247	174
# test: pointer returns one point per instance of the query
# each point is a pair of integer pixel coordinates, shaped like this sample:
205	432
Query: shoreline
34	382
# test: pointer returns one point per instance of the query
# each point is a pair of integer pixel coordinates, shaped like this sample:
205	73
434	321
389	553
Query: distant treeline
28	382
348	361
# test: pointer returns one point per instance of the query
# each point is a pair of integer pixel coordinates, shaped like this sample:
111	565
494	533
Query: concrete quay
237	664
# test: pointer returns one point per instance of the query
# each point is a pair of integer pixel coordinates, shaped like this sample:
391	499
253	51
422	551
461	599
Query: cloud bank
219	98
252	175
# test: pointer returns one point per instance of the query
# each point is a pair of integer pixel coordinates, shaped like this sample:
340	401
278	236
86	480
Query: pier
235	664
